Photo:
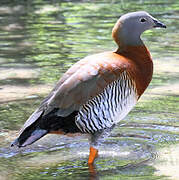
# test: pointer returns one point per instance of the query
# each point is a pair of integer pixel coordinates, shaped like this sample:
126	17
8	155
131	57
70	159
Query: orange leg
93	154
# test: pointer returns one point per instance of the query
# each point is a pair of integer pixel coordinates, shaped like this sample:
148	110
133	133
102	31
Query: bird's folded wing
82	82
85	82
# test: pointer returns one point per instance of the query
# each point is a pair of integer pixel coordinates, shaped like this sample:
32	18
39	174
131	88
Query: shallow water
39	40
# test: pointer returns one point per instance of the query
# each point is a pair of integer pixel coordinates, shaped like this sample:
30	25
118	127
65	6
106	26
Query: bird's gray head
130	26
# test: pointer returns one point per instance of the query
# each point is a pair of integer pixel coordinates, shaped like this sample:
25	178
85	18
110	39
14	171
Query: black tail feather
54	122
27	138
45	124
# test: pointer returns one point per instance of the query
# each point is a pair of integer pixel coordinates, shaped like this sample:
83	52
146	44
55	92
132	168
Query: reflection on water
39	40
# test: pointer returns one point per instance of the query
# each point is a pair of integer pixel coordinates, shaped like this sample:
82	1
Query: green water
39	41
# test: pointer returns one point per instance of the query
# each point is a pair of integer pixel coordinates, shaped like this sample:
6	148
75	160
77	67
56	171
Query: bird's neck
129	39
128	36
132	48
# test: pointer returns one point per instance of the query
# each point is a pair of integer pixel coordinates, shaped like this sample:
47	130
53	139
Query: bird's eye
143	20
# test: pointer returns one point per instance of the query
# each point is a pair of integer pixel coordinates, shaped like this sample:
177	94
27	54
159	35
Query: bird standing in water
99	90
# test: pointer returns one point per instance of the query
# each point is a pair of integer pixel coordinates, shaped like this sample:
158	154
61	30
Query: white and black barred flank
109	107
